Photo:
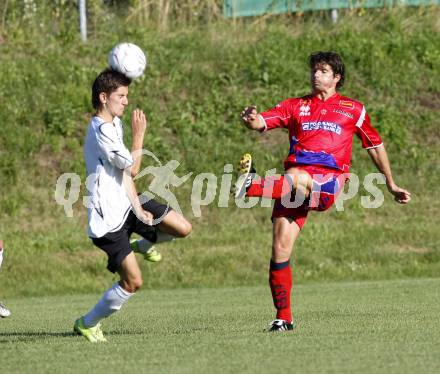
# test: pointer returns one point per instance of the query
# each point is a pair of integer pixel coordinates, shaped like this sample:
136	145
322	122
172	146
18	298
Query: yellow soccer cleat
246	173
92	334
150	253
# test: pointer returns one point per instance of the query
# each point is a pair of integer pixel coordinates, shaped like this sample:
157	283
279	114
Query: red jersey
321	132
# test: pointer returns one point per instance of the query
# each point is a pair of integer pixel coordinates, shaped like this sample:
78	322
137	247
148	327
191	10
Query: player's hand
250	118
1	245
145	216
249	114
401	195
138	123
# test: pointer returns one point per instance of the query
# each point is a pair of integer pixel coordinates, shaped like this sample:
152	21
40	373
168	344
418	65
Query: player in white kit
114	209
4	312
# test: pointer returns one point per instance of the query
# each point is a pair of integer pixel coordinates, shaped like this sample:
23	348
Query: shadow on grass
8	337
11	337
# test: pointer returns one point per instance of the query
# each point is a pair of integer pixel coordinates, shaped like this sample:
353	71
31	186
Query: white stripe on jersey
374	146
106	158
360	121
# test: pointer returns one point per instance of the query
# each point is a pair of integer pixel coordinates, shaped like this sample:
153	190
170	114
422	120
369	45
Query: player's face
117	101
323	79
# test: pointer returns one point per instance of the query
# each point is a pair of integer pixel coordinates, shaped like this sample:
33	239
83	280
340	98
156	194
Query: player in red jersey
321	128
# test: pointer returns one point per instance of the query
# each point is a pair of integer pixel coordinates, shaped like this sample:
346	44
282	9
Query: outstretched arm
251	119
380	158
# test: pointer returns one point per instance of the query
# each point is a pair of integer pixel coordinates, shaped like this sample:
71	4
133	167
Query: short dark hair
331	58
107	81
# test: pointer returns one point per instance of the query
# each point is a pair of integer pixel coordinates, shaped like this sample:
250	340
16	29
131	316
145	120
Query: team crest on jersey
344	113
304	110
346	104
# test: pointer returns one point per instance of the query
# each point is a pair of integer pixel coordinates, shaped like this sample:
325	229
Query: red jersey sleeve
277	117
368	135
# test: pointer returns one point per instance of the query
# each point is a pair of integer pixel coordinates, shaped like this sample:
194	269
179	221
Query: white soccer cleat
4	312
280	325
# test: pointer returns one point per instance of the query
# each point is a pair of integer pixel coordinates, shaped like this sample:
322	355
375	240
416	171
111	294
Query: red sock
280	280
271	187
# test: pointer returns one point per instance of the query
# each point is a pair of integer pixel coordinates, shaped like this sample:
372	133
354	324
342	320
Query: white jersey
106	158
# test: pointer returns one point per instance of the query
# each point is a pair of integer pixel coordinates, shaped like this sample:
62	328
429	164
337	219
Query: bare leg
295	180
285	233
175	224
131	276
117	295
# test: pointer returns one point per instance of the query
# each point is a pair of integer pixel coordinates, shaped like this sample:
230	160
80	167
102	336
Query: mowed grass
366	327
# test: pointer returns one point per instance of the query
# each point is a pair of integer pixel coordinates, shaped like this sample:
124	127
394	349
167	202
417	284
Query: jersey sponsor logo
346	104
322	125
346	114
304	110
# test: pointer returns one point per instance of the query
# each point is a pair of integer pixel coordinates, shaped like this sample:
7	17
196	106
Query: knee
184	229
281	252
278	247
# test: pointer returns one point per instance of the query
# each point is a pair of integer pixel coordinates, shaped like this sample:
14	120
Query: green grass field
368	327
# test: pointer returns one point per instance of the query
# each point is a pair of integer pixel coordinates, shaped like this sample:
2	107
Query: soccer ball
128	59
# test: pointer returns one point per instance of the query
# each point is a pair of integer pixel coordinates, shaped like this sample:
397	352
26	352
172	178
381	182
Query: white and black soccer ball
128	59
